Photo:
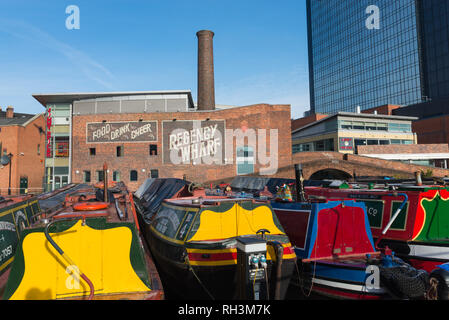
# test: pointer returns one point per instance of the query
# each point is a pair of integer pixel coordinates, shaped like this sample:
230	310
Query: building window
116	176
38	149
154	173
100	175
133	175
245	160
345	124
399	127
371	126
296	148
153	149
319	145
92	151
86	176
358	125
119	151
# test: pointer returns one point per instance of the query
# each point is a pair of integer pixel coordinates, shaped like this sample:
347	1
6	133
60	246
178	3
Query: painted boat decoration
337	255
193	241
89	248
16	214
420	232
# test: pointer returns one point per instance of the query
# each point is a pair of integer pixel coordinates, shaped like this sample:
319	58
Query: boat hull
419	235
211	280
338	281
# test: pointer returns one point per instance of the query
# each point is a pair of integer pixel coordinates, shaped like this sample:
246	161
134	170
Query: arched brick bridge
345	166
349	164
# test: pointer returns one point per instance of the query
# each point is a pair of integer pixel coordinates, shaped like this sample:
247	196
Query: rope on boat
186	259
403	280
266	284
432	293
301	279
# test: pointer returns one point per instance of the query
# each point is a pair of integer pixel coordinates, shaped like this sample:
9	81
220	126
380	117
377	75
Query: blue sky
260	49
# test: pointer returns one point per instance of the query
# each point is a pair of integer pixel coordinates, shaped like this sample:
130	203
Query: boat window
195	226
186	225
168	220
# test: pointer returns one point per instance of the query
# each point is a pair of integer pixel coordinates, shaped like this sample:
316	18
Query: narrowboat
420	231
194	243
16	214
88	247
337	256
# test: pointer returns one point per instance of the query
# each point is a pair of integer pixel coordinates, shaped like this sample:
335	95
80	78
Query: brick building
133	162
135	139
433	120
162	134
434	155
22	139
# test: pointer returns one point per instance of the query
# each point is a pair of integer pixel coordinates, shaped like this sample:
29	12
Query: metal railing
21	191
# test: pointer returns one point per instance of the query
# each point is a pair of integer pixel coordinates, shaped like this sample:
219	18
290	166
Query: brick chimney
206	88
10	112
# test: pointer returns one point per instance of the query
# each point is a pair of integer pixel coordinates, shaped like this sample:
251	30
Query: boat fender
403	280
439	283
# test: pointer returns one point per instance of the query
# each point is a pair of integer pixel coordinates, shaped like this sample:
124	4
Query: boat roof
206	201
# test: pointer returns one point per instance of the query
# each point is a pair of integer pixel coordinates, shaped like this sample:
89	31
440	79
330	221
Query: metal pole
10	165
300	197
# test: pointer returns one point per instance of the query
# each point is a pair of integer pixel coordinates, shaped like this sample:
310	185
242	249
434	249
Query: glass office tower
434	17
356	60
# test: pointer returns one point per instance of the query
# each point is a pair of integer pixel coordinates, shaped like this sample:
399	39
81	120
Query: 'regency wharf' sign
193	141
138	131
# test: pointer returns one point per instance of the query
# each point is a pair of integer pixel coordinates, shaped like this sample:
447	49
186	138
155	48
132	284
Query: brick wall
16	140
301	122
385	109
136	155
404	148
349	163
432	130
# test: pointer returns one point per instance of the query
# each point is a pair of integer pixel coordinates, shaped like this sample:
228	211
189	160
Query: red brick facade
385	109
404	148
136	155
27	145
301	122
432	130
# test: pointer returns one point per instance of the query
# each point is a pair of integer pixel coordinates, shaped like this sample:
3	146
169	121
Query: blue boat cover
444	266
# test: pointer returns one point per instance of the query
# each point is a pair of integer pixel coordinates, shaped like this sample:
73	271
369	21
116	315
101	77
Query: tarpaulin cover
57	200
152	192
254	184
